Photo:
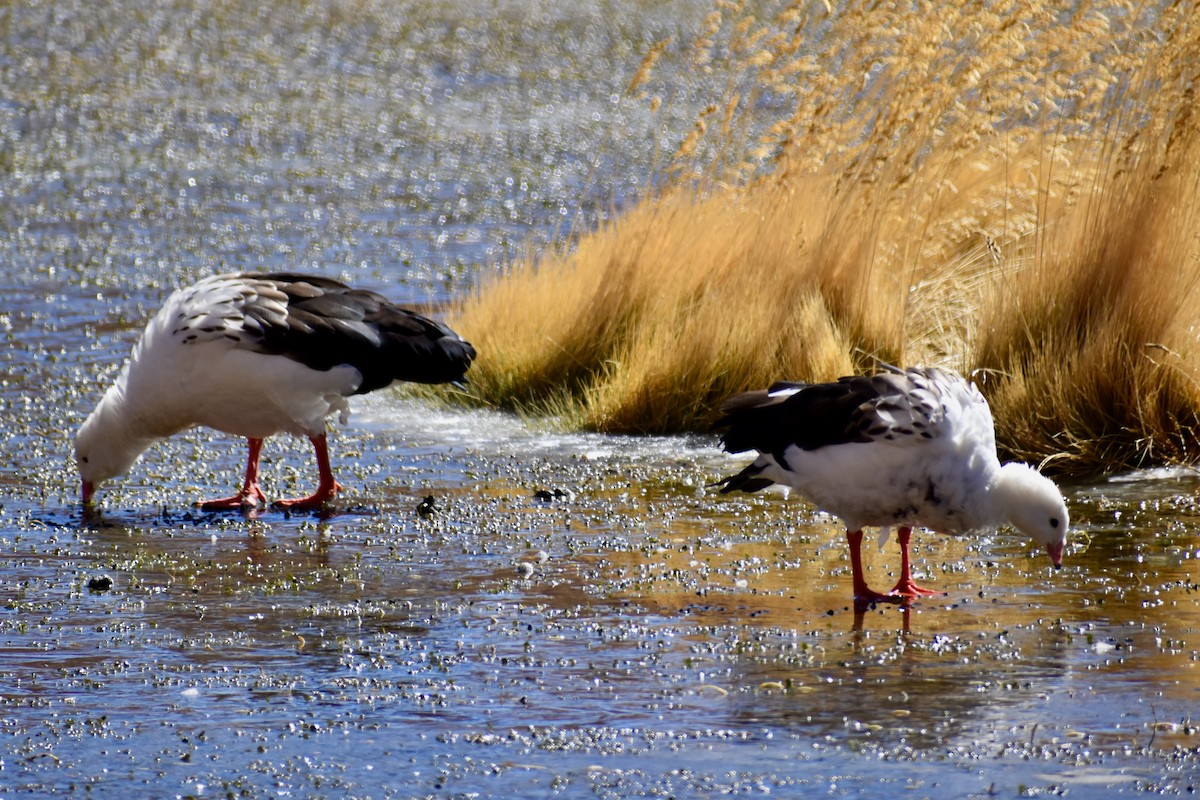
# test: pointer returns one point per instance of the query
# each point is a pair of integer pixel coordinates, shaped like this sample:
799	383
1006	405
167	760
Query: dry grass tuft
997	187
1094	348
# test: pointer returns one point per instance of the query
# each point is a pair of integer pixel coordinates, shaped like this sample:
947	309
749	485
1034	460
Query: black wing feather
328	324
813	415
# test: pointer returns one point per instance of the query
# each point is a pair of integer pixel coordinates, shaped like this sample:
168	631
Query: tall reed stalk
1006	188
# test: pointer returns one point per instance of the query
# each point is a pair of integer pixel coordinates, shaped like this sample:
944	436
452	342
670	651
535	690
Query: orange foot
907	587
314	501
249	497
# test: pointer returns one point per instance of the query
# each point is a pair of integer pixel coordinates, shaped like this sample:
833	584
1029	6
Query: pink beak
1056	553
87	492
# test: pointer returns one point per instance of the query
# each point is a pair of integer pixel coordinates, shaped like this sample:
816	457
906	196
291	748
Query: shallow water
635	636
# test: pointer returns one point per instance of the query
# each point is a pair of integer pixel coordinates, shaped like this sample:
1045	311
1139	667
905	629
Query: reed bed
1009	189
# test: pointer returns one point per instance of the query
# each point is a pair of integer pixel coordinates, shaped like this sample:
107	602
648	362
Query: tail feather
418	349
758	420
748	480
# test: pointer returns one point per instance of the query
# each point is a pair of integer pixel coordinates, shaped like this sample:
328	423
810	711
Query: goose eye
1054	522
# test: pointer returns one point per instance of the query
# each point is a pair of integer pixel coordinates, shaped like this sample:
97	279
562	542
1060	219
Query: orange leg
864	595
251	495
906	587
326	489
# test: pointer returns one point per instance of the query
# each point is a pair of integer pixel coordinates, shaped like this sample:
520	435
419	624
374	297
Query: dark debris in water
428	507
99	583
556	494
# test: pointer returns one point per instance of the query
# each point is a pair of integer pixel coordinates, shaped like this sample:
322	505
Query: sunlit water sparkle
632	635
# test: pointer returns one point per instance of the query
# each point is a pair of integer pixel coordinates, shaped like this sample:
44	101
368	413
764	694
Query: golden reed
1005	188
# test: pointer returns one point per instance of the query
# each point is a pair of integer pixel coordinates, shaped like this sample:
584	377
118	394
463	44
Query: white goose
254	354
911	447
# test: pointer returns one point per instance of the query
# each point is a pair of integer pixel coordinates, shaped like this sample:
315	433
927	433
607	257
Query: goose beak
1055	549
87	492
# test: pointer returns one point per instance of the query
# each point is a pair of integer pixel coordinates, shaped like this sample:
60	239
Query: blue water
637	638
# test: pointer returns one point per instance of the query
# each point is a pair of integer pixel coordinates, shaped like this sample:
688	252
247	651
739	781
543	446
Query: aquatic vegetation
1001	188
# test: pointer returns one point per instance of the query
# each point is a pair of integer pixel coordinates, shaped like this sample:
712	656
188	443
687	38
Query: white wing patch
213	309
925	408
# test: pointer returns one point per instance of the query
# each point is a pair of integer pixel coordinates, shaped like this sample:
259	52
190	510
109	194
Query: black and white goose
913	447
254	354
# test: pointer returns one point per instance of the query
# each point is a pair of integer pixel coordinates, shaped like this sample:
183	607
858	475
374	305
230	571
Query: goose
255	354
905	448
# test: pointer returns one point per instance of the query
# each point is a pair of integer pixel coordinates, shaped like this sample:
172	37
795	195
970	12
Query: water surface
634	635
